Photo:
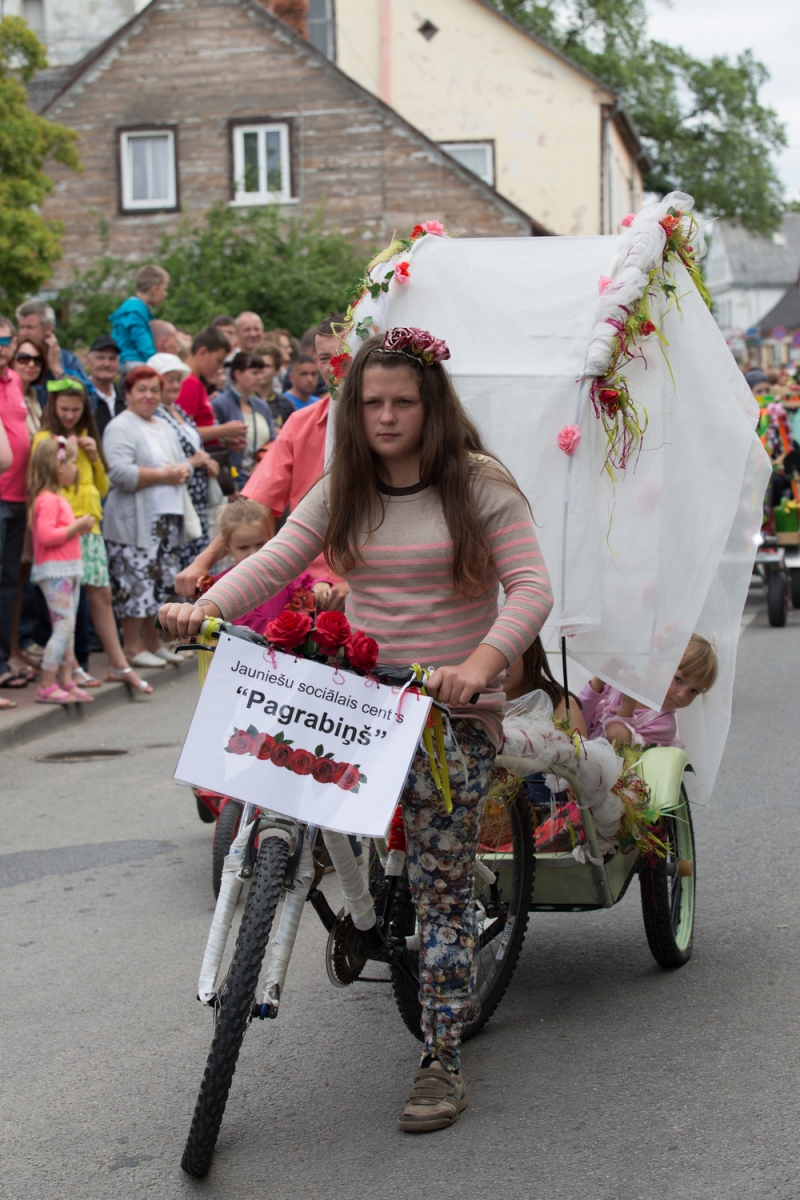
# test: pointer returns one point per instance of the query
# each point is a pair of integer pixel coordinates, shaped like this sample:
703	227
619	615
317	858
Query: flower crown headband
416	344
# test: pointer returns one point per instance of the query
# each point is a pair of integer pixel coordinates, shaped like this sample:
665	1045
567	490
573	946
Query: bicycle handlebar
392	676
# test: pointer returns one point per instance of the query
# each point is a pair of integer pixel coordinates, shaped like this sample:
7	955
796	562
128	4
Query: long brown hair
42	467
41	350
86	425
450	438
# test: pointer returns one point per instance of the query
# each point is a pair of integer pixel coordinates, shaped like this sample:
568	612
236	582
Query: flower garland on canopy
659	237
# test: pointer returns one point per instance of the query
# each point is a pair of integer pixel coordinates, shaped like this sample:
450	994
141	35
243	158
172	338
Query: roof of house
757	261
618	113
80	69
786	313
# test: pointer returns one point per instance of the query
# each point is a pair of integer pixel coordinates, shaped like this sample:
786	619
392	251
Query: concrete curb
19	728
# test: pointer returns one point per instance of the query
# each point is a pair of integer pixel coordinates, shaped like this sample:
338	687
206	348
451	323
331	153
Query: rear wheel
777	598
235	1005
668	886
794	579
505	851
225	831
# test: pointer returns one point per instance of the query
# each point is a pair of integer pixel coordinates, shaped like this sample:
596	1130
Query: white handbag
191	522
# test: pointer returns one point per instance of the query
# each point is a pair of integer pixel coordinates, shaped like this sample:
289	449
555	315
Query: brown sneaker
436	1099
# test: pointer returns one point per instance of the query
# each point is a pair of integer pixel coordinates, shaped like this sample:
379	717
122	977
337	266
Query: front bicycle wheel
235	1005
667	886
503	885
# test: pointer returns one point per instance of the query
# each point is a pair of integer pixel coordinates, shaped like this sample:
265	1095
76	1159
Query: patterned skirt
95	560
141	580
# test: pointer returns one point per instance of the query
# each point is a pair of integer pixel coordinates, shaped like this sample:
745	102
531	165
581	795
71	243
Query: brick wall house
196	101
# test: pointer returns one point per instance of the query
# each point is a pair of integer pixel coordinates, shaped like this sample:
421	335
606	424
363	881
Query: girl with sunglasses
30	363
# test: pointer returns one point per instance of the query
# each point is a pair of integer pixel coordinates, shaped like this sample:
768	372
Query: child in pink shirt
57	564
618	717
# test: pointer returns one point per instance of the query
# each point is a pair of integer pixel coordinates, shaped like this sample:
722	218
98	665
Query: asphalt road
601	1077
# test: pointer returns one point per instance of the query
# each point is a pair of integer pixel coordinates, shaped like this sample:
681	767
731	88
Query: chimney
293	13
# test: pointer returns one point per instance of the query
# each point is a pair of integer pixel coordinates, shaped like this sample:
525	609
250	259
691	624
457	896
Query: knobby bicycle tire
225	831
506	934
235	1001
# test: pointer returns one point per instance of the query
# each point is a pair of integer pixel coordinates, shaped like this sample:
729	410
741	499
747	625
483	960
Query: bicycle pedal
373	943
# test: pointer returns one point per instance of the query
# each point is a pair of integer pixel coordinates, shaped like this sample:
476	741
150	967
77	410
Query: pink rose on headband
627	220
434	227
402	273
417	342
569	438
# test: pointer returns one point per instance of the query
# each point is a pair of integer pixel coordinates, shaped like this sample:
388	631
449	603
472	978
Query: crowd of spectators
157	431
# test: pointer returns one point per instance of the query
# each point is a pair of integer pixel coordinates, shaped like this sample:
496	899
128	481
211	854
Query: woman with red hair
144	519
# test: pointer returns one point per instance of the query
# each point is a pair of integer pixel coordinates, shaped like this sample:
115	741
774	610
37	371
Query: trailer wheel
777	598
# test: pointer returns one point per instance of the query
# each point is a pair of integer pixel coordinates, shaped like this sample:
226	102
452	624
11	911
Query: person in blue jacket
130	324
241	402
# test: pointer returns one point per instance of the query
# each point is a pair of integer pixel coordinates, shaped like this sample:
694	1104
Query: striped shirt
402	592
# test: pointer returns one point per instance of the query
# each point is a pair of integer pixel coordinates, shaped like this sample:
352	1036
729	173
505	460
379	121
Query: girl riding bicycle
424	526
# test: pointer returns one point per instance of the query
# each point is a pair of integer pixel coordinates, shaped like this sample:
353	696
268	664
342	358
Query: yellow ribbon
439	771
206	638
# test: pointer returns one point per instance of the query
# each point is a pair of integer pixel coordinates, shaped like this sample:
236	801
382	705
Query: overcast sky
770	29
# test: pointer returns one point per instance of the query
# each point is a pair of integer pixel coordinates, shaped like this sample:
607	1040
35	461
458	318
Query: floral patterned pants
61	596
441	863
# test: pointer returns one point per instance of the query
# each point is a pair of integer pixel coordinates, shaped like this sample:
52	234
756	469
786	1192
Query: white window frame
449	147
128	204
243	199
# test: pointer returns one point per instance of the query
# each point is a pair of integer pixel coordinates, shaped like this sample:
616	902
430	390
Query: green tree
29	244
702	122
292	272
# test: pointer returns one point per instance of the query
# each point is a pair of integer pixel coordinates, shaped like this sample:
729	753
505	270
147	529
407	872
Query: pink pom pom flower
402	273
627	220
604	282
569	438
434	227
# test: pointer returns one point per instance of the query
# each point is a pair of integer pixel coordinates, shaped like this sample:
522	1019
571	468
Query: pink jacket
52	516
649	728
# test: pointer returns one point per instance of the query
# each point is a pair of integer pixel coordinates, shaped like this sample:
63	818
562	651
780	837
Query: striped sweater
402	592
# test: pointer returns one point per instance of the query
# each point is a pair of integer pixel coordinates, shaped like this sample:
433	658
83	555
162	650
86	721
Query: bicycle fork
237	867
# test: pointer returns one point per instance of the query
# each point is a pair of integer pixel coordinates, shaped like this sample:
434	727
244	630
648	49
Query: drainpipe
606	197
386	51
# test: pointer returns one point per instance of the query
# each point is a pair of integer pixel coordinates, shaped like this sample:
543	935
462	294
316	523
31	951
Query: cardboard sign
325	747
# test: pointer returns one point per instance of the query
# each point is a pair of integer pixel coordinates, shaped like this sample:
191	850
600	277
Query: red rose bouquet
289	630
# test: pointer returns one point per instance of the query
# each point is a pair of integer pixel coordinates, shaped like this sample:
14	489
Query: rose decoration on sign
569	438
322	770
280	752
240	743
289	629
332	631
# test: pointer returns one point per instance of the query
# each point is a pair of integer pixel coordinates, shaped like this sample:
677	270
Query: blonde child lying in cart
613	715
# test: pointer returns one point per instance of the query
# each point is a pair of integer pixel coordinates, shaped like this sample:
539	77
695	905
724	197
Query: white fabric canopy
638	564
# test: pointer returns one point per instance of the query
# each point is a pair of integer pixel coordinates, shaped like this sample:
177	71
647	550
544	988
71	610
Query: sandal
54	695
123	676
6	703
78	694
84	679
10	679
